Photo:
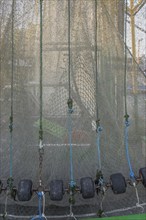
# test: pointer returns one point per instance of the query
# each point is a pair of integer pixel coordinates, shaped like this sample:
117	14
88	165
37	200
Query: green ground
129	217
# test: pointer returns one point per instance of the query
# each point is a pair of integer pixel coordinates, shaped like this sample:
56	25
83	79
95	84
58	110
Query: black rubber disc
87	187
118	183
56	190
24	191
142	173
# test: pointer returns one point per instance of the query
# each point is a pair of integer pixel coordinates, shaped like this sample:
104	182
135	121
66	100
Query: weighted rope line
98	128
127	124
41	149
12	82
70	105
72	183
10	179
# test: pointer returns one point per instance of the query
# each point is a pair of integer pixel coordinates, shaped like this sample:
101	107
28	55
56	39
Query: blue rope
39	216
99	129
72	183
127	149
11	153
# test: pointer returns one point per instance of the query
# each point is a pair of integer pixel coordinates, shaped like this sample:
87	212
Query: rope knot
11	124
132	176
70	104
72	184
126	117
10	183
99	129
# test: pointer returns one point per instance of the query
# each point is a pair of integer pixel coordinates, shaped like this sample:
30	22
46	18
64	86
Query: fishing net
83	82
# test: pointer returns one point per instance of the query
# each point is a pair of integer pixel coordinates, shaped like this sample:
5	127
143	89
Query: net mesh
26	91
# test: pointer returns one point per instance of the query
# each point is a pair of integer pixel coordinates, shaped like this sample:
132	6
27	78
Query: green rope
41	71
12	82
125	67
69	51
96	70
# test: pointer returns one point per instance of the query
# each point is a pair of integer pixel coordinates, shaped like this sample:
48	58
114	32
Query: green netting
26	91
